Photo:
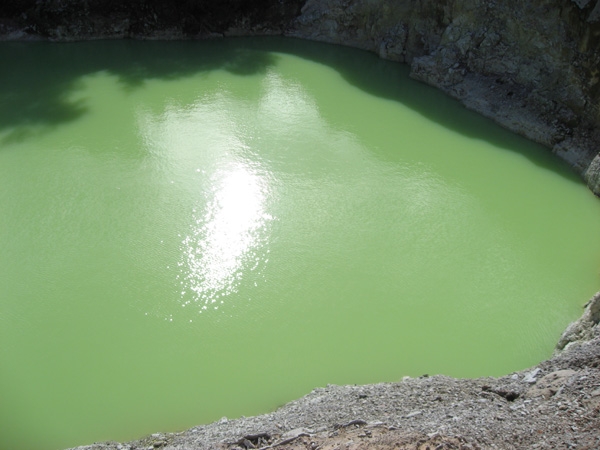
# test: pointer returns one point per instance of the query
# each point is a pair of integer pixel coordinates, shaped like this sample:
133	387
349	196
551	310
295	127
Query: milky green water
197	230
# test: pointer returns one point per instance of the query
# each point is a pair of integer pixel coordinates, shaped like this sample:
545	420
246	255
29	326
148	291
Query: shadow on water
38	79
391	81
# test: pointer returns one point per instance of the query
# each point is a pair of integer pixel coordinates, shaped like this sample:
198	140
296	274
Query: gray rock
594	16
531	376
582	3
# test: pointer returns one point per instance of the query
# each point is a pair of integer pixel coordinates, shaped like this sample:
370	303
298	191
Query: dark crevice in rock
508	395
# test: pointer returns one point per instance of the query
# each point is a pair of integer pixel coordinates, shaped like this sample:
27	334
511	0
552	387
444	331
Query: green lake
191	230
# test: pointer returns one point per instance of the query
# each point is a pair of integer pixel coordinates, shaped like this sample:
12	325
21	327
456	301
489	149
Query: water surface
197	230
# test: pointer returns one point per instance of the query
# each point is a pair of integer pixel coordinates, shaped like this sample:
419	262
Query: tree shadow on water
39	81
31	99
391	81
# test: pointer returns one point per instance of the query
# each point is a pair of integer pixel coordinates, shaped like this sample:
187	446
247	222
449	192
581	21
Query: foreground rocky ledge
553	405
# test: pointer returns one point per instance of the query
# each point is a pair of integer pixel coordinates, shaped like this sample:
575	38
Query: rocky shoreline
535	70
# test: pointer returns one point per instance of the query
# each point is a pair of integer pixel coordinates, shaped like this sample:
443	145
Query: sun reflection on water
211	150
227	238
205	150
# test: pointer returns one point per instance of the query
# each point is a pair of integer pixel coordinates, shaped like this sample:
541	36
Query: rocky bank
533	67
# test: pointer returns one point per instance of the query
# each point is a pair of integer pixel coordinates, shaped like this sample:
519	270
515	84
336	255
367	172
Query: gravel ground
555	405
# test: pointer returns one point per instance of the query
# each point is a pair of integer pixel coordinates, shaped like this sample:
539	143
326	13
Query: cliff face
532	67
143	19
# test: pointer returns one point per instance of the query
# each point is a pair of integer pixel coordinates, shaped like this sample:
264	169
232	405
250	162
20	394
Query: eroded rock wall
63	20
